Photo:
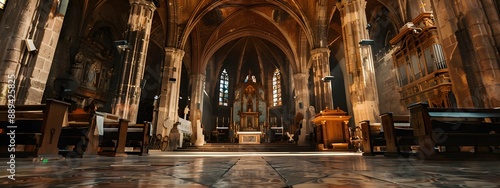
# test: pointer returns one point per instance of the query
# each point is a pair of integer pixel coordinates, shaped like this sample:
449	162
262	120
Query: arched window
277	88
223	89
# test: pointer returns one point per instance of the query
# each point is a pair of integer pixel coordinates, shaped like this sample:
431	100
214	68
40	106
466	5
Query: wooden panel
389	133
52	123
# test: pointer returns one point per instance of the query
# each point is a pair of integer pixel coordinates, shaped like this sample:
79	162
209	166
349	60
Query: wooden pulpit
332	129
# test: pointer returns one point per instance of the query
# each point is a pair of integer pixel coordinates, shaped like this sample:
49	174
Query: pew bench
122	138
373	140
78	138
113	139
36	130
138	137
82	136
446	132
398	134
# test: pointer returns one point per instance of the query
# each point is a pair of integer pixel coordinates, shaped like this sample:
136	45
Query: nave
252	169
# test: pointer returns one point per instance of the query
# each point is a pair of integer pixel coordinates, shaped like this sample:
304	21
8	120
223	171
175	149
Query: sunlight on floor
241	154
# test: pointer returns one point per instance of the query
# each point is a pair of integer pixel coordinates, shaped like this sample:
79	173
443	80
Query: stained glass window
2	4
277	88
223	89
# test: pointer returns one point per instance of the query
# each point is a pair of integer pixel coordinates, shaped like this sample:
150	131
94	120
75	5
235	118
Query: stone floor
250	169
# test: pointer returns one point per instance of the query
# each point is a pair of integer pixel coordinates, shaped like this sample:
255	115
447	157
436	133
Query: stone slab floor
297	169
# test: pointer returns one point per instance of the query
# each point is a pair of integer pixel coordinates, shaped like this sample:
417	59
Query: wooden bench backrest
50	114
392	131
422	116
80	117
23	112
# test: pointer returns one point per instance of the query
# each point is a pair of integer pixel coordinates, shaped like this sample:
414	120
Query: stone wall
387	84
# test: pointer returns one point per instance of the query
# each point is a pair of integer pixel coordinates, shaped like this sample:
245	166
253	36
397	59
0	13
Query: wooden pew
37	129
138	136
78	138
81	133
454	129
124	135
372	138
398	134
112	142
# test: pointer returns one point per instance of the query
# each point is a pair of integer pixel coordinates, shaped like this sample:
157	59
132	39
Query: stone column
301	81
134	59
169	96
493	20
359	60
198	81
23	20
456	59
487	69
322	90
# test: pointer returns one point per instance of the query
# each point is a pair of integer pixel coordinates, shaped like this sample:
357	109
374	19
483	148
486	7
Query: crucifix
422	6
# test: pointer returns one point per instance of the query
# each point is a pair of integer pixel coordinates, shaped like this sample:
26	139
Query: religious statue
92	71
250	125
77	67
250	76
107	81
249	105
186	111
428	22
237	95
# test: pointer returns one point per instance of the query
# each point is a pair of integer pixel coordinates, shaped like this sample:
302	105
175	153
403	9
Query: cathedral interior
241	67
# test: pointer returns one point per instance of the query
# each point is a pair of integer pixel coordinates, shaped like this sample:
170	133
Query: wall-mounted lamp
368	26
30	45
366	42
328	78
121	45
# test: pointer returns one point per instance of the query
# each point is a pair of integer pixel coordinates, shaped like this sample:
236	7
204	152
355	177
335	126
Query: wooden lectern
332	129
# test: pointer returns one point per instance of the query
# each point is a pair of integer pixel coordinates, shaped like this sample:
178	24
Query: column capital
320	50
342	3
317	52
198	76
300	75
145	3
174	51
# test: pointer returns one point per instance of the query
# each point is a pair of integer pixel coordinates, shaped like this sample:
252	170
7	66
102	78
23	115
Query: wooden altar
332	129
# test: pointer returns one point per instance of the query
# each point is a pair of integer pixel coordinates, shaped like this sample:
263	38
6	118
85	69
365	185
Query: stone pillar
134	59
360	70
487	70
322	90
493	20
301	81
198	81
38	21
169	96
446	22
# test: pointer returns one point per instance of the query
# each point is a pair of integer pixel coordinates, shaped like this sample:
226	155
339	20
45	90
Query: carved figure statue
428	22
250	76
186	111
77	67
92	74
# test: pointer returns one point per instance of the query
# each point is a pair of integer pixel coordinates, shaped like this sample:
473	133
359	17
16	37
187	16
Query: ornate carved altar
249	112
93	67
